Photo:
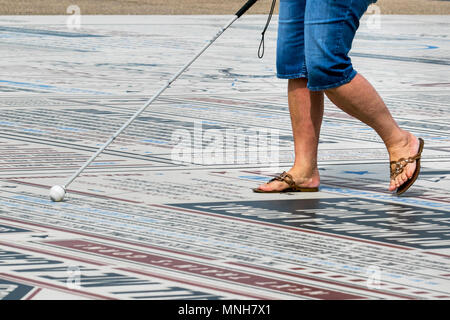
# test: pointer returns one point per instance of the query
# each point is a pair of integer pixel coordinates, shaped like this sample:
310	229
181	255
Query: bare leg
306	110
359	99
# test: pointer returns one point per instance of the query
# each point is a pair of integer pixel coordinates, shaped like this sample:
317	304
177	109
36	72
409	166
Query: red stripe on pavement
146	273
320	280
53	286
108	238
51	253
30	297
204	270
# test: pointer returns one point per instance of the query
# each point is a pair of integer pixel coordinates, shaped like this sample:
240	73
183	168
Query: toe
272	186
404	177
400	179
392	185
265	187
410	170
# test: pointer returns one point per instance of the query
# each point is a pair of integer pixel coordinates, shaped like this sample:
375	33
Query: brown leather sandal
286	177
398	166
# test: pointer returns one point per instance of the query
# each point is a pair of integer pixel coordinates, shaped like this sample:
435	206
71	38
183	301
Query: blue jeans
314	39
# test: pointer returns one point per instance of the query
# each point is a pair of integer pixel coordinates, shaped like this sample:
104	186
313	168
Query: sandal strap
398	166
285	177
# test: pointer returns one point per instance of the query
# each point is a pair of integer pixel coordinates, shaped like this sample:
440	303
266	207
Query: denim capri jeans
314	39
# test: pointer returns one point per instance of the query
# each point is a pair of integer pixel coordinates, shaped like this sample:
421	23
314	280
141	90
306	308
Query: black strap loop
261	45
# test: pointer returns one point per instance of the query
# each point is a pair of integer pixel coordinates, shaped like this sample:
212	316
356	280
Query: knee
327	69
326	54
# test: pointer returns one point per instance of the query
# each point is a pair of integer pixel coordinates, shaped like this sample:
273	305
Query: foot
407	147
300	179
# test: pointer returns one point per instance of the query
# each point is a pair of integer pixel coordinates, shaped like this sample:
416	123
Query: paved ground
150	221
59	7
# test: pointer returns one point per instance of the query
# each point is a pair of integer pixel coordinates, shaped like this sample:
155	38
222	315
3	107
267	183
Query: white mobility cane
58	192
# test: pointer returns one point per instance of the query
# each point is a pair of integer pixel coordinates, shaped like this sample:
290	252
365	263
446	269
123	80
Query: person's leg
305	107
359	99
330	27
306	110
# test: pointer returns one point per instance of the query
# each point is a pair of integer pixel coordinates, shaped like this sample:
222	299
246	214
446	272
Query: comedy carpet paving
167	211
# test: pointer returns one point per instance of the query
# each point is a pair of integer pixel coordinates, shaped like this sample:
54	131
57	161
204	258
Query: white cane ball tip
57	193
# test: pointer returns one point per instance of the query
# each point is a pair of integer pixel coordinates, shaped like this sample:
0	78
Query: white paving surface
139	225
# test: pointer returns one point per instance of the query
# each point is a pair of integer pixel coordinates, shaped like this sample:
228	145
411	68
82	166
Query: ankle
305	178
304	171
399	141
